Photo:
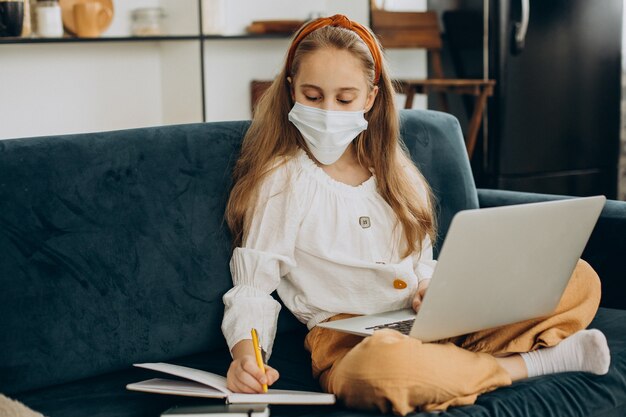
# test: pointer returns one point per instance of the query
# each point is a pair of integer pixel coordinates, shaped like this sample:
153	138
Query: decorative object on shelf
102	19
33	17
148	21
317	14
49	21
27	28
213	17
88	16
274	26
11	17
257	89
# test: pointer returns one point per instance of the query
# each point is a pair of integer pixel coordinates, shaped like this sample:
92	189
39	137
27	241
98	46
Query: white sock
586	351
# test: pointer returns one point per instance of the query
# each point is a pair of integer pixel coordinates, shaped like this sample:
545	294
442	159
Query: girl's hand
419	295
245	376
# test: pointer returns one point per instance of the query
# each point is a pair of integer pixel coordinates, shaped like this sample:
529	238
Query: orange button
398	284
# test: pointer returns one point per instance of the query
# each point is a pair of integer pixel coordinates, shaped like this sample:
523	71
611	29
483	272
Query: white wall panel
70	88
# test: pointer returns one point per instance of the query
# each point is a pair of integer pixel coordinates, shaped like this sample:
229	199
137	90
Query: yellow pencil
257	352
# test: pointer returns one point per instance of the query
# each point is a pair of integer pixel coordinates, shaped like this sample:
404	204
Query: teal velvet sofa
113	250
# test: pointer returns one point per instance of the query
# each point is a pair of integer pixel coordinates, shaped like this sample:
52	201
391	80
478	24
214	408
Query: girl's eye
345	101
312	98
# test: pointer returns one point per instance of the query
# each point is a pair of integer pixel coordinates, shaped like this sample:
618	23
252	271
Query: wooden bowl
67	12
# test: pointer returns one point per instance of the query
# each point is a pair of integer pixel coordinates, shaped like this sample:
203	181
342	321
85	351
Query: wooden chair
421	30
257	88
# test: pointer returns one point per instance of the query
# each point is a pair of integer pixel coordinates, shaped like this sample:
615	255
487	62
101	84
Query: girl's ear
371	97
293	95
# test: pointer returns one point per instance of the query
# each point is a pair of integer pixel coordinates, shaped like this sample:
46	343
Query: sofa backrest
113	248
436	144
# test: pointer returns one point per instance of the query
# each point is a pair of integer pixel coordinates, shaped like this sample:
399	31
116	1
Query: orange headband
339	20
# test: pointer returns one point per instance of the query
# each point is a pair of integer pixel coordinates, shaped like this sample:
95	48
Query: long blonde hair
272	138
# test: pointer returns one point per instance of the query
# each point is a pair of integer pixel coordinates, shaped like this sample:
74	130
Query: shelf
249	36
19	40
102	39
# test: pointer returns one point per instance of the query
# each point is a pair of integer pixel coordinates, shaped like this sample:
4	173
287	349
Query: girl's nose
328	104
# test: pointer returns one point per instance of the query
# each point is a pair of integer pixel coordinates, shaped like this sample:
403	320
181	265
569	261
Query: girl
328	209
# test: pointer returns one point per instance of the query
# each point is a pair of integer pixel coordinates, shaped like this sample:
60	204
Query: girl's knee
385	349
581	298
588	281
386	337
384	356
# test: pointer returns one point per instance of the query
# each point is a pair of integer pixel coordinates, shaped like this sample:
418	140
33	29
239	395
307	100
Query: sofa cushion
571	394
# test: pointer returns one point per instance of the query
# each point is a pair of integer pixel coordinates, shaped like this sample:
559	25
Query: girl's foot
586	351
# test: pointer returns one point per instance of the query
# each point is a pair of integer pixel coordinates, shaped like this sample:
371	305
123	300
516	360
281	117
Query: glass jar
148	21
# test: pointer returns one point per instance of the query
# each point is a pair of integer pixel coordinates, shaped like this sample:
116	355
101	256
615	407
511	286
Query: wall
62	88
67	88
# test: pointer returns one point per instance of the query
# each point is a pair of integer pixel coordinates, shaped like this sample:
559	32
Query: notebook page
175	387
276	396
207	378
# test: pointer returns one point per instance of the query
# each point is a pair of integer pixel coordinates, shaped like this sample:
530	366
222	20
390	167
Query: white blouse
326	247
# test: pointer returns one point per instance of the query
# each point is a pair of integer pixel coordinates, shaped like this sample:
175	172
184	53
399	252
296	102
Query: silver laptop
497	266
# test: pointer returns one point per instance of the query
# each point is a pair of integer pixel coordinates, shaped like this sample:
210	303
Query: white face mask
328	133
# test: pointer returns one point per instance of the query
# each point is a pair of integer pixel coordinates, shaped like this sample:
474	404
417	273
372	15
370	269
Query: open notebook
209	385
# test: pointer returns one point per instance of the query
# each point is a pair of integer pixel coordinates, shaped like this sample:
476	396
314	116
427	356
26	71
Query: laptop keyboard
403	326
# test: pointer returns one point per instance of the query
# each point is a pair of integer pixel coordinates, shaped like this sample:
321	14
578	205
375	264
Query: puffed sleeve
266	255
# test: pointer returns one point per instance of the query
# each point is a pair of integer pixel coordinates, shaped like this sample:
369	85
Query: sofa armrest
606	249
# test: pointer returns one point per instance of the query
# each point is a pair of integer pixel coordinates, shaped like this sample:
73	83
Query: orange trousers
389	371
